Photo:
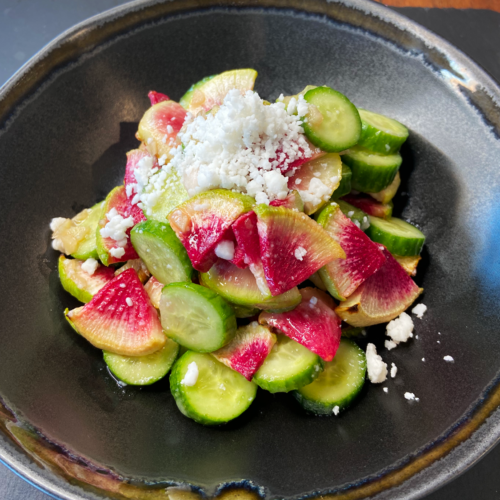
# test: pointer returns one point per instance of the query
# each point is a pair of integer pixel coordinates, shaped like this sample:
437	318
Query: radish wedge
202	221
292	247
312	323
382	297
120	318
369	205
159	127
248	349
78	282
363	257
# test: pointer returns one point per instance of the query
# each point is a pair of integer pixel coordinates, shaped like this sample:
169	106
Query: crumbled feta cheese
386	390
365	223
313	301
389	344
411	397
222	387
394	370
122	285
299	253
191	375
170	130
449	359
90	266
377	369
315	192
225	250
129	301
58	245
336	410
350	213
419	310
237	146
117	252
56	223
400	329
116	227
423	359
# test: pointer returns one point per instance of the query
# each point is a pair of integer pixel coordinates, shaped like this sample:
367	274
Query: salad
249	245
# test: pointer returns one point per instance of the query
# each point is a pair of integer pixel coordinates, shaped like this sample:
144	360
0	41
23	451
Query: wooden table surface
445	4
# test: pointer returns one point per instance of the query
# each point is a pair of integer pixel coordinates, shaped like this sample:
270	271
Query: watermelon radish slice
80	283
409	264
369	205
363	256
382	297
159	127
153	288
120	318
285	167
202	221
211	91
292	247
316	181
248	349
156	97
293	201
106	246
313	323
239	287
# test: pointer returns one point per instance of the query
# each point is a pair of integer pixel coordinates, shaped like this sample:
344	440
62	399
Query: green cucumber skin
293	383
320	408
328	145
166	237
397	245
380	142
182	401
345	183
228	316
67	284
367	178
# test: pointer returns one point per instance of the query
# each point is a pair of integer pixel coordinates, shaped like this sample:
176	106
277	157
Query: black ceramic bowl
66	121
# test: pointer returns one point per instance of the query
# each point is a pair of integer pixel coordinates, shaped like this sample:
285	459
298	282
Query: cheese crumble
116	229
400	329
300	253
191	376
377	369
419	310
90	266
244	146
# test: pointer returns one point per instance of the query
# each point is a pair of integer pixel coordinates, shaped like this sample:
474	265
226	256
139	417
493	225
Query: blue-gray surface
27	25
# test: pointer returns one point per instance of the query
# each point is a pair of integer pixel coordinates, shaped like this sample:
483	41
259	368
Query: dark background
27	25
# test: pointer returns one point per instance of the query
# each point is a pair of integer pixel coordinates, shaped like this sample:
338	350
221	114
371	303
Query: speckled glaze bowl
66	121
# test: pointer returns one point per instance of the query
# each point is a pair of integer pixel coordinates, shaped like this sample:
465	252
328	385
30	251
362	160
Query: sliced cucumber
360	218
371	172
400	237
162	252
142	370
338	384
332	122
218	395
196	317
87	248
380	133
185	100
386	195
345	183
245	312
288	366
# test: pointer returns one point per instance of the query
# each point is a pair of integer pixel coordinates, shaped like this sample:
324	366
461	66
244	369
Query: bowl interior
66	149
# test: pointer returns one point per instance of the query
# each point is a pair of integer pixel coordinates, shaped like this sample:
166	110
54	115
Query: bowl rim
478	430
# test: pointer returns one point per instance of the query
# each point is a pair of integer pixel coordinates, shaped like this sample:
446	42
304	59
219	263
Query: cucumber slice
386	195
338	384
371	172
196	317
399	237
245	312
219	393
142	370
380	133
360	218
87	248
185	100
288	366
345	183
162	252
333	123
